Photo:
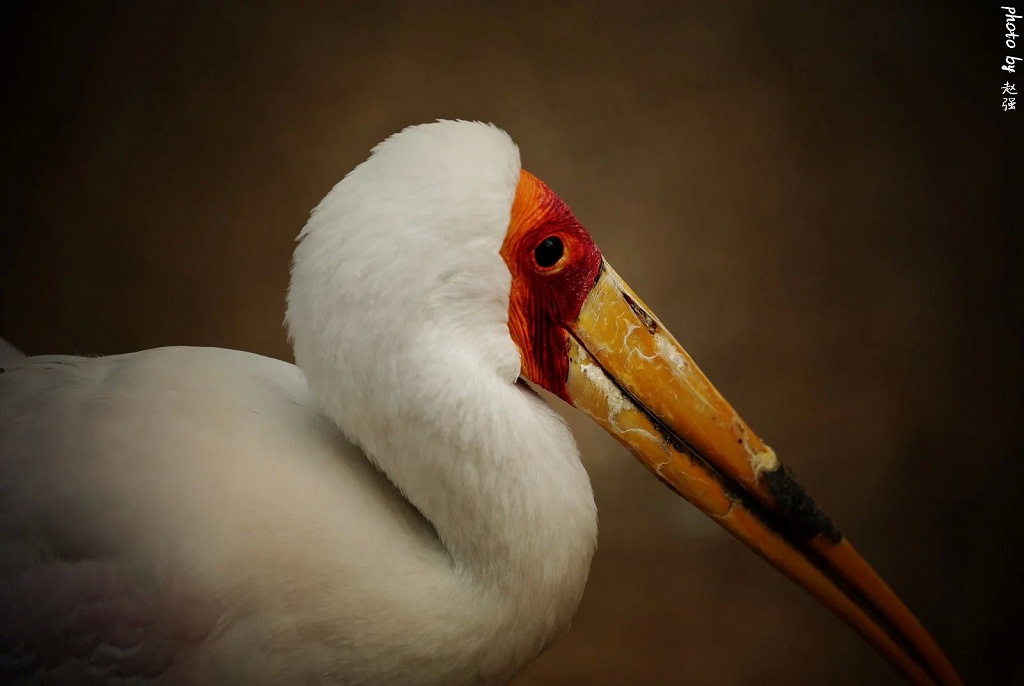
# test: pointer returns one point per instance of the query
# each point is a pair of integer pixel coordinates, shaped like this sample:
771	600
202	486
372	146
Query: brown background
818	199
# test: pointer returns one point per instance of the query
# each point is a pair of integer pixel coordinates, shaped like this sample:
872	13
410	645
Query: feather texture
396	509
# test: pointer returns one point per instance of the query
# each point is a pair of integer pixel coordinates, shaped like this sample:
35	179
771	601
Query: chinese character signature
1009	103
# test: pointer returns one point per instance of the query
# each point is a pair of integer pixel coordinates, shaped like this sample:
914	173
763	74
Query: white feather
204	503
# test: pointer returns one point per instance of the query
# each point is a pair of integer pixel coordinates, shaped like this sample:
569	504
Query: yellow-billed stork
399	507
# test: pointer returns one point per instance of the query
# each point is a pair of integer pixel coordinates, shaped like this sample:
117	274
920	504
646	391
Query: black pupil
549	252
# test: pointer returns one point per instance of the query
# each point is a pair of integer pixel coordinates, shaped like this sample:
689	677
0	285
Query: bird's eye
549	252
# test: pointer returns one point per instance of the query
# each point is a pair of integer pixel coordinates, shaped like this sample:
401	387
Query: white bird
398	508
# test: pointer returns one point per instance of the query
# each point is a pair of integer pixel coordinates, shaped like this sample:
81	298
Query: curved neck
485	460
497	473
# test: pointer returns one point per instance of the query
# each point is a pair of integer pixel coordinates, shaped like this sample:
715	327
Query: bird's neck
492	467
508	495
497	473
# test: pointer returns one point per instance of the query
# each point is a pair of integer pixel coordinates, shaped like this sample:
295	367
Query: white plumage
399	508
195	515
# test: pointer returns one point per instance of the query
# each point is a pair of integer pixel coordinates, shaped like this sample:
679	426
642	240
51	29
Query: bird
401	505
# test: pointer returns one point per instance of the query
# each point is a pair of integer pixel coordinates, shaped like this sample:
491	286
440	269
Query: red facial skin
544	300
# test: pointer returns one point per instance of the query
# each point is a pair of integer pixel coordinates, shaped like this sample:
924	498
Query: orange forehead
529	206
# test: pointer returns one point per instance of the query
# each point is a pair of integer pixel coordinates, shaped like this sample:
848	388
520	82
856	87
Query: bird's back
187	514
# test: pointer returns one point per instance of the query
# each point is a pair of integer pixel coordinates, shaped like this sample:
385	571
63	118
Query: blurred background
820	200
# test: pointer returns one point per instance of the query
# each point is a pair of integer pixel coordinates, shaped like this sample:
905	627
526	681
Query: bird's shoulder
174	434
206	471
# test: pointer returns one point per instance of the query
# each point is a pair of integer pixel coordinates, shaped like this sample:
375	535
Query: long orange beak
631	376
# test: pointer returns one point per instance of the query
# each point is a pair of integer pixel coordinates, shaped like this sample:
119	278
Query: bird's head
441	239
